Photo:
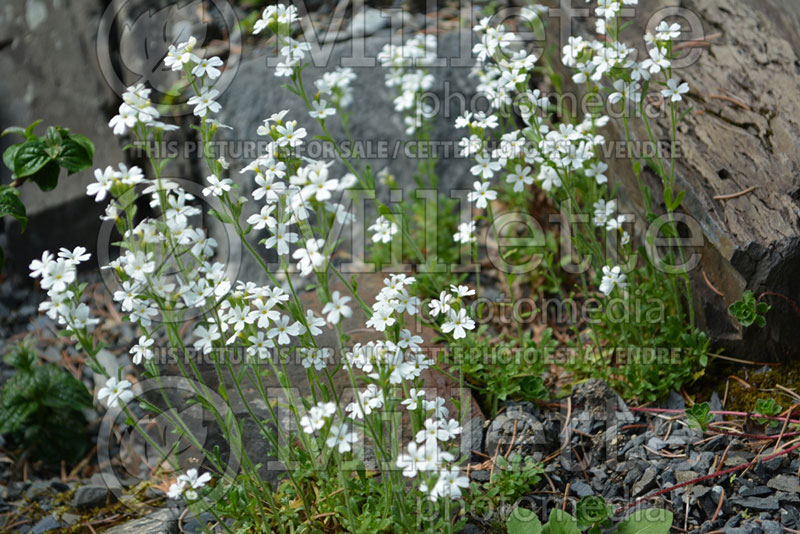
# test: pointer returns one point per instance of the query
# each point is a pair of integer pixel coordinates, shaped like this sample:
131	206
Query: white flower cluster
58	276
451	306
392	301
279	19
425	457
407	73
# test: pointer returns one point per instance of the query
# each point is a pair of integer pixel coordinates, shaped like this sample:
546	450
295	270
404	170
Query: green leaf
11	205
523	521
649	521
562	523
9	155
29	129
52	139
30	158
13	130
73	157
47	177
86	143
14	416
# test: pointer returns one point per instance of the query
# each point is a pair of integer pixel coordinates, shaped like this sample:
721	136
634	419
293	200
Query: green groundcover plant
387	459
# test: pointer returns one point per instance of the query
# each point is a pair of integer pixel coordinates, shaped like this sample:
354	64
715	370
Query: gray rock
581	489
645	483
367	22
163	522
771	527
788	483
377	130
52	80
472	438
90	497
48	524
527	433
757	503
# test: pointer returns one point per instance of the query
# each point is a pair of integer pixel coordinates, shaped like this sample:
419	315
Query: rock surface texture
740	135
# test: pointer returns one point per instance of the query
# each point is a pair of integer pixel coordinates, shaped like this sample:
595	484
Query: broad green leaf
47	177
11	205
562	523
73	156
649	521
523	521
9	155
86	143
30	158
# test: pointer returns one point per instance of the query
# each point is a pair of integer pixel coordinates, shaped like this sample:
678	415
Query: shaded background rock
742	132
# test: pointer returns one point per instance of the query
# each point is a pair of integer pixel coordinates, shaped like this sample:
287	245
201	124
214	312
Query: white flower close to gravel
115	392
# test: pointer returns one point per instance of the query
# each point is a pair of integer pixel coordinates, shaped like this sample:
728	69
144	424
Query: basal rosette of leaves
169	275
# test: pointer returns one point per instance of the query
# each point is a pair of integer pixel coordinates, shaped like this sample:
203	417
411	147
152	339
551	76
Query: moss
762	381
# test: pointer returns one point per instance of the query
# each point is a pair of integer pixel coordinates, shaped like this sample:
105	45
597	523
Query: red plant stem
715	412
707	477
752	436
784	297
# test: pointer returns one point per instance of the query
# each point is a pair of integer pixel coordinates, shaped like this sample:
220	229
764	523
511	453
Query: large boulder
377	130
53	75
740	136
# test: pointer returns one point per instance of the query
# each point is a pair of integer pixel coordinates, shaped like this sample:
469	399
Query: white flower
596	170
442	305
612	277
384	230
466	233
461	291
282	330
337	308
208	67
102	185
142	350
204	102
549	178
341	438
482	194
520	178
657	60
674	91
280	238
668	32
259	346
450	483
289	136
74	257
458	323
310	257
412	402
39	267
207	337
381	318
320	111
314	323
315	358
484	167
115	392
58	275
216	186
